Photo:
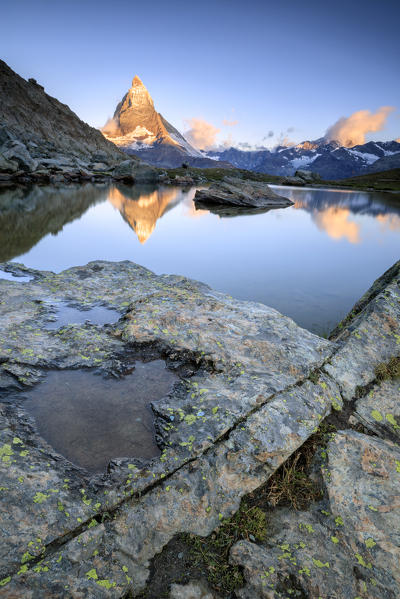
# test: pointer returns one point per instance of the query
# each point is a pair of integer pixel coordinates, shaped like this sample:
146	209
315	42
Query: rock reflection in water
26	216
91	420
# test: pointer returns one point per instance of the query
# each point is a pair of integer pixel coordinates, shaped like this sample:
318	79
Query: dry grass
291	485
388	370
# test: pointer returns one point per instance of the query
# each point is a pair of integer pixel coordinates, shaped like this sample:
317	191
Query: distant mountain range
330	159
138	129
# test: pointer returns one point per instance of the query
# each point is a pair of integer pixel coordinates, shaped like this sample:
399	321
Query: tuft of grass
212	552
388	370
291	485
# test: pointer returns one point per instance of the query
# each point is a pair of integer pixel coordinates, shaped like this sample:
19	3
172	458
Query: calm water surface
91	420
311	261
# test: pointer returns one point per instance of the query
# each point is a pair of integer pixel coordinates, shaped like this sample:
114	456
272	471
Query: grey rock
5	136
252	400
233	191
99	167
57	163
346	546
18	152
308	176
133	170
192	590
7	166
379	410
246	395
100	157
369	335
293	181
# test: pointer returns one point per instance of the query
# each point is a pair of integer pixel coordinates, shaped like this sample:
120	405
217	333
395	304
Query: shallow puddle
90	419
66	315
10	276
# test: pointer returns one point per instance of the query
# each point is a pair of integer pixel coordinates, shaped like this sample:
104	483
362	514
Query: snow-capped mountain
137	128
330	159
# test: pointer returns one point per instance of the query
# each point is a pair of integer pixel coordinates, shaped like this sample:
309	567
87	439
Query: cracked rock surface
246	398
347	544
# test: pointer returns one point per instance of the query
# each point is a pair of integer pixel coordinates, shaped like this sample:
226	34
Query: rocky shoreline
252	388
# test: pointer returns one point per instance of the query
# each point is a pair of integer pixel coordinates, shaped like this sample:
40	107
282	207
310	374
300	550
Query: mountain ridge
329	159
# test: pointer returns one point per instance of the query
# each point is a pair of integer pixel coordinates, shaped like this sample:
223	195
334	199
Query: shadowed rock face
246	401
33	116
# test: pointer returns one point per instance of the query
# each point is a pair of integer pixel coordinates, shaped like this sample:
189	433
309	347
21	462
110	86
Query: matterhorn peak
136	82
138	128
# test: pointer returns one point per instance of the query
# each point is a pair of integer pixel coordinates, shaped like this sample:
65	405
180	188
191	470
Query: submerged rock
233	191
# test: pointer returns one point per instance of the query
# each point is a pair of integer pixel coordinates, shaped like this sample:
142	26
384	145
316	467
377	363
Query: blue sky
293	68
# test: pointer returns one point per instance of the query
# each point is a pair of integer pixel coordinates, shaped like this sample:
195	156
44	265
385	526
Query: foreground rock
206	427
345	546
253	387
232	191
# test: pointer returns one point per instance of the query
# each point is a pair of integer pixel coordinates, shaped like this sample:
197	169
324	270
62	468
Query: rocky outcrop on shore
240	193
42	140
253	387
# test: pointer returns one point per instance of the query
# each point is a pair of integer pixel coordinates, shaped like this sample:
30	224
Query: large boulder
135	171
7	166
308	176
232	191
293	181
18	152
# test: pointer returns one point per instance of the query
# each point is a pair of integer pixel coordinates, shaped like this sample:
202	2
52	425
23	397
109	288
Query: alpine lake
310	261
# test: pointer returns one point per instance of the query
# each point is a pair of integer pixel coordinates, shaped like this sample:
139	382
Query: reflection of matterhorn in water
142	210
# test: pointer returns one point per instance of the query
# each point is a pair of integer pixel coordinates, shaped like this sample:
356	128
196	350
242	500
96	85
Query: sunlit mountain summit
137	128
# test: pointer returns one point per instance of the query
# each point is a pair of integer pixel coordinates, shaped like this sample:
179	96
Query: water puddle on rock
91	420
66	315
10	276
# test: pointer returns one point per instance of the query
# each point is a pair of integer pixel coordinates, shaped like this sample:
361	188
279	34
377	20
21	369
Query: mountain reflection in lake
311	261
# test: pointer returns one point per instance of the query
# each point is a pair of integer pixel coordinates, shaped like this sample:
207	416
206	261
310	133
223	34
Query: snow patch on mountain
369	158
303	161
